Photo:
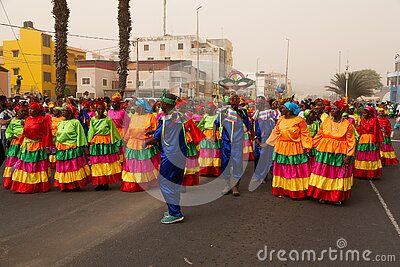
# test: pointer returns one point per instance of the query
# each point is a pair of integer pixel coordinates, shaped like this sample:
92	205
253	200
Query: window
105	82
162	46
46	40
141	83
16	71
156	83
150	58
1	53
146	48
115	84
167	58
47	77
130	82
178	80
46	60
15	53
180	46
85	81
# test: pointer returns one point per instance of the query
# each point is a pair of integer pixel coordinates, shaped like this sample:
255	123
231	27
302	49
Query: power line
19	45
69	34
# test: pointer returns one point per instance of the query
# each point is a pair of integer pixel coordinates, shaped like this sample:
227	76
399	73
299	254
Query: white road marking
396	141
385	207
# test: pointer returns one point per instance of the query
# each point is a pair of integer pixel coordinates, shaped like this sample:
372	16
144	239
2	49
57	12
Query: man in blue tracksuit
170	137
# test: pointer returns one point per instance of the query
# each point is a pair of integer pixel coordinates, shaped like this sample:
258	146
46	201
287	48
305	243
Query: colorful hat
116	97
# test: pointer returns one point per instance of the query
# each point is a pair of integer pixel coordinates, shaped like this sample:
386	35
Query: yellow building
32	57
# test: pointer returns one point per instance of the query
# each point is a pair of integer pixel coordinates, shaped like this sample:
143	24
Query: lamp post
347	81
198	53
136	43
397	70
287	64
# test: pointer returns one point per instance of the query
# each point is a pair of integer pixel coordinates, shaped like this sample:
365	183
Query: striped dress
388	155
368	163
13	133
105	142
72	169
330	180
140	168
291	169
210	153
32	169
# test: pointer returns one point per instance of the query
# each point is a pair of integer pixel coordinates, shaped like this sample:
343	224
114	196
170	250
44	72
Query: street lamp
198	52
287	64
347	81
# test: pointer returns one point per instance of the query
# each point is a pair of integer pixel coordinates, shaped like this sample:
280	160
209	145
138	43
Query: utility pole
137	68
347	79
397	69
287	64
198	55
340	61
165	17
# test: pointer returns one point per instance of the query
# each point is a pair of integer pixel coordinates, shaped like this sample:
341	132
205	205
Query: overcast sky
365	30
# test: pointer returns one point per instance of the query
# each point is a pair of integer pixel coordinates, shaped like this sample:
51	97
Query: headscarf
116	97
341	104
72	108
36	106
292	107
144	104
371	109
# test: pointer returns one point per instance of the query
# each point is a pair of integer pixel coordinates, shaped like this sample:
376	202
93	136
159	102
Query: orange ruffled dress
291	168
141	165
330	180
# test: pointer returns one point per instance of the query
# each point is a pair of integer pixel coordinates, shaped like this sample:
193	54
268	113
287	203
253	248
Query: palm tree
61	15
360	83
125	28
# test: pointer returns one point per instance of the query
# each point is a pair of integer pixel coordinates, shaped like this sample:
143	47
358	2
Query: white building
96	77
100	78
216	55
267	83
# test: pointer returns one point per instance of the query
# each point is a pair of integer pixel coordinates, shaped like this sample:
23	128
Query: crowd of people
311	149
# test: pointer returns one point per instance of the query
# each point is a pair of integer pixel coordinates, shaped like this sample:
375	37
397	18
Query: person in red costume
31	173
388	155
368	163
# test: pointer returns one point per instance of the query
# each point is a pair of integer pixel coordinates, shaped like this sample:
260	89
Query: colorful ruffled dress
105	142
121	120
193	137
210	153
331	180
141	165
13	133
54	125
388	155
291	169
72	169
32	170
368	163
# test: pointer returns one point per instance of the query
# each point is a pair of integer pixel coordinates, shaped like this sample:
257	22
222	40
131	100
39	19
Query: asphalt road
118	229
